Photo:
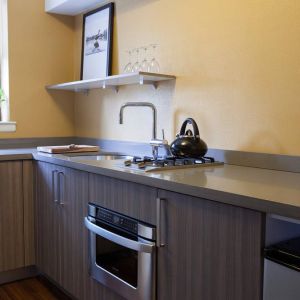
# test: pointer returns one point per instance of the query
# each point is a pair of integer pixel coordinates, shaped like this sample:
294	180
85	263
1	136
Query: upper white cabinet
71	7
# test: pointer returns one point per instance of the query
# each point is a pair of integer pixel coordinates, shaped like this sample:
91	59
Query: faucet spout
121	114
141	104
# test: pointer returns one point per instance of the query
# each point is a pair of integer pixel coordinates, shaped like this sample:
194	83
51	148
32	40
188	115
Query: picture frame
97	37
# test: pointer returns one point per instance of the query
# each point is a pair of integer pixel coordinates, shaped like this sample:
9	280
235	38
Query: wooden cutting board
68	149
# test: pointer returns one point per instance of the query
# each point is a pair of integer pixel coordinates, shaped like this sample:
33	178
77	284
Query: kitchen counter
264	190
16	154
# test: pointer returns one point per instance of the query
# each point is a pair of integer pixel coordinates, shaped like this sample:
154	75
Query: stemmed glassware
136	66
128	67
144	63
141	60
153	65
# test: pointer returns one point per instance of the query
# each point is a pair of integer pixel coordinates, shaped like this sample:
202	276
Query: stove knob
141	165
127	163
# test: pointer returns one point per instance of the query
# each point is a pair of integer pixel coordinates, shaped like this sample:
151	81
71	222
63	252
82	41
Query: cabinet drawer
132	199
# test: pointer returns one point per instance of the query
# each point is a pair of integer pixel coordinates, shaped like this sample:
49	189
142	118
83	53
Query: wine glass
154	65
128	67
144	63
136	66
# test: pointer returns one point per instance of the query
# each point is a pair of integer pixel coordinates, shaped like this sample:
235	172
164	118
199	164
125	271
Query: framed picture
97	32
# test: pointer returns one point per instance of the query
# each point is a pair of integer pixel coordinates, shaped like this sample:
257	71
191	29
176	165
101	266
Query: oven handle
118	239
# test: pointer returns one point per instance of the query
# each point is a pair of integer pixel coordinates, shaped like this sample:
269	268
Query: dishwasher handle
140	246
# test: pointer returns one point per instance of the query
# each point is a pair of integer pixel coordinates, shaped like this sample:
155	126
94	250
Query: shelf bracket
83	91
141	81
114	87
150	82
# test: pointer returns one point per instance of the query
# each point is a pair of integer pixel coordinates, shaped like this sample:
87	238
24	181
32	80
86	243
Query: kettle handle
193	123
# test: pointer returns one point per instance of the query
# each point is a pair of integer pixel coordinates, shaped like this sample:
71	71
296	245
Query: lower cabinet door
11	216
73	245
212	251
47	221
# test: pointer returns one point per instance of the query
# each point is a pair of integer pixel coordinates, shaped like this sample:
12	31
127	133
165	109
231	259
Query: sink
106	156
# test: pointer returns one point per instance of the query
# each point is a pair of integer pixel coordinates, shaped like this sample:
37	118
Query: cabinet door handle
61	188
159	237
54	190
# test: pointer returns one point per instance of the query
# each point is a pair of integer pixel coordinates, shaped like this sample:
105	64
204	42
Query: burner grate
146	161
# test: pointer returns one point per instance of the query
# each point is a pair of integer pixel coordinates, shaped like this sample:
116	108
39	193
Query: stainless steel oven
122	253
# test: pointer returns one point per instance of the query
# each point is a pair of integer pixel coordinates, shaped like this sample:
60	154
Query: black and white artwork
97	43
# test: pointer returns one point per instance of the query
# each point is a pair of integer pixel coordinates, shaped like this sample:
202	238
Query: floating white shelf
112	82
71	7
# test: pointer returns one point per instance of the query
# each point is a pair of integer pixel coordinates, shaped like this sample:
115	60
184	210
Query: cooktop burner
148	164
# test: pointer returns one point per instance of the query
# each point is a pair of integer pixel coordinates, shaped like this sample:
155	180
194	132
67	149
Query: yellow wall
237	63
238	68
40	53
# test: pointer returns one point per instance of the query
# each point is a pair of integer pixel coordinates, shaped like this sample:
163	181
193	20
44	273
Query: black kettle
188	145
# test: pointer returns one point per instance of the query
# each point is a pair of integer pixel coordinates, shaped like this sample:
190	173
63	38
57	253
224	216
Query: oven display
117	220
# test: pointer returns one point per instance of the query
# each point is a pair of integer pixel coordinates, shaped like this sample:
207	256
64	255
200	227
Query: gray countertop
16	154
265	190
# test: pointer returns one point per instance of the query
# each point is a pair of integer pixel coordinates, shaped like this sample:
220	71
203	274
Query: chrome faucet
158	143
141	104
155	143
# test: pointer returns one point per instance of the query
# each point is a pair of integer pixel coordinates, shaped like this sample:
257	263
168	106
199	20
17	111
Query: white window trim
5	125
8	126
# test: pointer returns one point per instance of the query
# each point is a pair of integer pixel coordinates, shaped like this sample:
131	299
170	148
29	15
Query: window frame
5	124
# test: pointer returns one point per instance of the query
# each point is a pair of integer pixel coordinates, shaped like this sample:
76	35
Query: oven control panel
113	218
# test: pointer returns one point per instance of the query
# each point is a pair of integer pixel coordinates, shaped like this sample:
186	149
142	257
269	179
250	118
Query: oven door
122	262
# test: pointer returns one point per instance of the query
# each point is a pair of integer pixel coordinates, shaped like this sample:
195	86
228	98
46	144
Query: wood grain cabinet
129	198
16	215
11	216
47	229
60	207
212	250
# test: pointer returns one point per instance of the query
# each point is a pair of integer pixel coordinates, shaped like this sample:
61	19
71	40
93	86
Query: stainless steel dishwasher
282	271
122	253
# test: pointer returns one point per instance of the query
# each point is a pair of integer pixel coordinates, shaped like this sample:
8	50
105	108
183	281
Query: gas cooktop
148	164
